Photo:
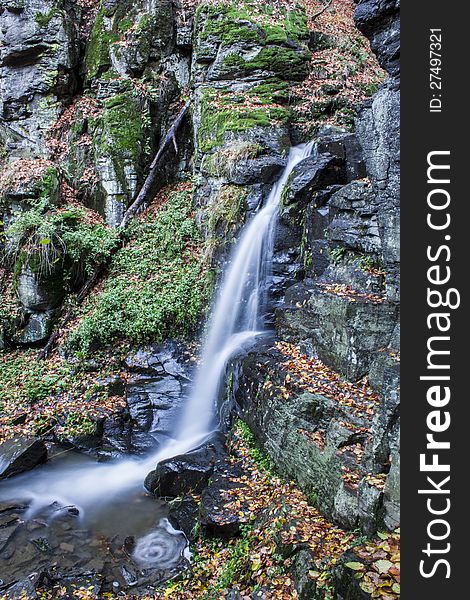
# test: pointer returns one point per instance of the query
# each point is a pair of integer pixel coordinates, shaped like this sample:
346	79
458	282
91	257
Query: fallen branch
146	189
321	11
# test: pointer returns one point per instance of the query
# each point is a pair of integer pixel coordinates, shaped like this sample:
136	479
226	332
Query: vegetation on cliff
157	286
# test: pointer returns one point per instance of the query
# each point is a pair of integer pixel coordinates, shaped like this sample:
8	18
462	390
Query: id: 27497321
435	68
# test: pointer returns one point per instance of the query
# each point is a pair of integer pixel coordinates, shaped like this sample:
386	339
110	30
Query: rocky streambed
69	522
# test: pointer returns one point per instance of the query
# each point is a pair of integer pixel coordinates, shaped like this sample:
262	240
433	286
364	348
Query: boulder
21	454
346	147
265	169
354	221
312	174
189	472
38	328
39	293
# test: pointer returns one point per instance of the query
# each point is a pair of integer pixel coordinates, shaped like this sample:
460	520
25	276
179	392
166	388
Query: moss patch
223	112
97	57
124	126
157	287
251	21
287	63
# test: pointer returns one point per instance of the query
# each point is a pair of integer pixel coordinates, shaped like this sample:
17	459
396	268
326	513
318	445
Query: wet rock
215	517
346	147
184	516
22	589
39	293
391	501
265	169
21	454
144	361
304	561
354	221
385	378
38	328
190	472
378	131
11	517
313	173
306	437
345	582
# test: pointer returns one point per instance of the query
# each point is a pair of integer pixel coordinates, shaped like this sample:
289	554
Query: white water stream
237	319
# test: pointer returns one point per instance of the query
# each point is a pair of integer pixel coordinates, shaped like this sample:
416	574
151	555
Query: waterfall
237	317
236	320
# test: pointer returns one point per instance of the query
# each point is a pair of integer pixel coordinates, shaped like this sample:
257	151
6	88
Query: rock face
21	454
338	238
38	70
379	20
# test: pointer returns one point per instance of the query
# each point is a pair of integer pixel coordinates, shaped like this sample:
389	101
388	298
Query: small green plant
43	19
42	237
158	286
256	453
339	254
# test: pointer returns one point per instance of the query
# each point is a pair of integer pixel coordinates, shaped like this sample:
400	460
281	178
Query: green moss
257	454
97	57
287	63
222	114
125	24
43	19
157	286
122	132
251	21
124	126
226	212
273	91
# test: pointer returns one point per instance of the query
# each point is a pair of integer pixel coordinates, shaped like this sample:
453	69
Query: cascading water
237	319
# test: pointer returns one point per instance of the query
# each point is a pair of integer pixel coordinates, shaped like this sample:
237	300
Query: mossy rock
251	22
288	64
97	59
223	112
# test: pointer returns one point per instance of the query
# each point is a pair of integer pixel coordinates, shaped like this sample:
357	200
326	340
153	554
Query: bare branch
322	10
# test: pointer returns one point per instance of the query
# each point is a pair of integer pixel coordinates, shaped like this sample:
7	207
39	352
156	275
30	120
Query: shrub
41	238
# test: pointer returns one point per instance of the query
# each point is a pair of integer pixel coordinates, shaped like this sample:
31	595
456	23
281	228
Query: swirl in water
162	548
